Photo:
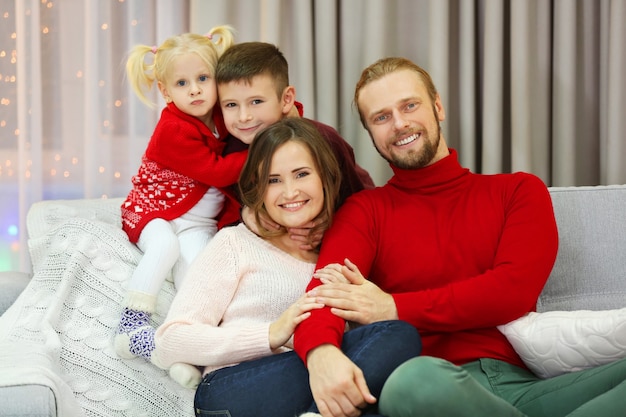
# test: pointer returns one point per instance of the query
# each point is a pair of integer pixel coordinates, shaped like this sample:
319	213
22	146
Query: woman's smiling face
295	194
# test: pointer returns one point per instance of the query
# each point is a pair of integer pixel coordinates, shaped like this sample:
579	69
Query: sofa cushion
557	342
590	269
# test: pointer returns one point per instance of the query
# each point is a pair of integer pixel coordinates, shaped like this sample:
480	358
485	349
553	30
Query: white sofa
78	247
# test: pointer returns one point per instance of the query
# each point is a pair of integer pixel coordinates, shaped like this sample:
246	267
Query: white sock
185	374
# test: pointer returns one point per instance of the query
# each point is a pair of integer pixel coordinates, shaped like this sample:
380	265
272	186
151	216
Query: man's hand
351	296
338	385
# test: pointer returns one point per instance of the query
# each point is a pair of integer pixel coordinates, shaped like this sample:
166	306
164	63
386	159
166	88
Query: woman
243	296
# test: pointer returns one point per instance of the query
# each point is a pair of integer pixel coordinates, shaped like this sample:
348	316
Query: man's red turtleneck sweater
460	253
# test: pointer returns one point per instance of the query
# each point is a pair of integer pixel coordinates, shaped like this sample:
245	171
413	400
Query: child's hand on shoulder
248	218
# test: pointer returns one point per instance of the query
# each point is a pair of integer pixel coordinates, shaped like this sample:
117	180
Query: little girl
171	212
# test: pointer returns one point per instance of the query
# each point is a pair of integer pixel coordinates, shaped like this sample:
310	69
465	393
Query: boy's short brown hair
243	61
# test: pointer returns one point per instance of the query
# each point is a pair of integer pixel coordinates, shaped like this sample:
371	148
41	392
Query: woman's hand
282	329
338	273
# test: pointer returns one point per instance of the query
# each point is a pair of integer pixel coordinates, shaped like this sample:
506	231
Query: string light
7	94
50	161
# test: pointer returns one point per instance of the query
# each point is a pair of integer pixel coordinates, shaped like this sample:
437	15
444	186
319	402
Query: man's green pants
432	387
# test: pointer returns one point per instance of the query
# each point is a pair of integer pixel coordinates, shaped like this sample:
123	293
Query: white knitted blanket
59	333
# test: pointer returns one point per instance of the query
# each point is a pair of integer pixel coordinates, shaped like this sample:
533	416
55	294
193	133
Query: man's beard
416	159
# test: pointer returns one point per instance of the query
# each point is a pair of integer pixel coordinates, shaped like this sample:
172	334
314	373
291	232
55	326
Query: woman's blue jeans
278	385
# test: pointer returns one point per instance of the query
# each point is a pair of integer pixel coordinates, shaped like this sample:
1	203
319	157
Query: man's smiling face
402	120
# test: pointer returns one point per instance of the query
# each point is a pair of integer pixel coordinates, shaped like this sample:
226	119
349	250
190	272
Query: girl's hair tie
154	49
209	35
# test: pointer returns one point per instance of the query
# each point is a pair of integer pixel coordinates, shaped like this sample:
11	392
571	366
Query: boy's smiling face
250	107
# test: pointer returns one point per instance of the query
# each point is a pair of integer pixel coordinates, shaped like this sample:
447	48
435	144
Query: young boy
254	92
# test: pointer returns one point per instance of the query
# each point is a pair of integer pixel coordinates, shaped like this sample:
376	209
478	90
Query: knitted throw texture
59	333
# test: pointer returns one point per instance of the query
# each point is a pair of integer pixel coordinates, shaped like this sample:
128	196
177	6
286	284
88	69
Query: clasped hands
352	297
338	385
348	294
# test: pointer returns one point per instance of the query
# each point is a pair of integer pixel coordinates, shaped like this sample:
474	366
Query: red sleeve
193	151
342	240
231	212
220	126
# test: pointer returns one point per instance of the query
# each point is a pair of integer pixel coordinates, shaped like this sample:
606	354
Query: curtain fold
464	82
493	109
613	129
29	129
565	90
531	85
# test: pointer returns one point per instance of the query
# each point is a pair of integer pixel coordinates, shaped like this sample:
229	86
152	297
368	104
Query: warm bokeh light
48	154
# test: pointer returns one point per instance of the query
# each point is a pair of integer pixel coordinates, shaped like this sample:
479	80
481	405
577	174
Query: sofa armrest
27	401
11	286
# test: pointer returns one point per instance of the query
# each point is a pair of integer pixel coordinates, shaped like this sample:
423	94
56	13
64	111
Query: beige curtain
529	85
532	85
